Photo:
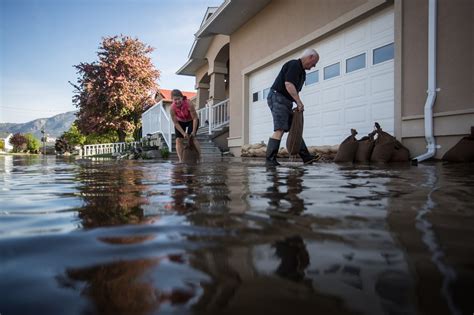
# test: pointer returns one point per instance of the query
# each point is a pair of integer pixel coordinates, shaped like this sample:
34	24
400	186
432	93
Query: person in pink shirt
185	121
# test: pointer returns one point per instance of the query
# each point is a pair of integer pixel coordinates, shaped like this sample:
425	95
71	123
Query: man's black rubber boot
307	157
272	152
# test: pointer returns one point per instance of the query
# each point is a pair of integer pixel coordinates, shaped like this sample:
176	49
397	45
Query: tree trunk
121	135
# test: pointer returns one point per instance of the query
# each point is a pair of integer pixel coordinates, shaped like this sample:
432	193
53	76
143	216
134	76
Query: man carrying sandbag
283	93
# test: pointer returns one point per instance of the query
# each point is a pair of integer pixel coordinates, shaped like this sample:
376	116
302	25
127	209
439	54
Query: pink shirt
182	112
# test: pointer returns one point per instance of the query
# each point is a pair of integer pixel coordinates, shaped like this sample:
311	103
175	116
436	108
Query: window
332	71
265	93
255	97
383	53
355	63
312	77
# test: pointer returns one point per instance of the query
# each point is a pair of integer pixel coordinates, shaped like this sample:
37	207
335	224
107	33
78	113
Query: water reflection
130	287
284	189
232	237
111	195
294	258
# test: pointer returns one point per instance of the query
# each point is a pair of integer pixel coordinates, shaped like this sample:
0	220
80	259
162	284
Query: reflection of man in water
294	186
294	258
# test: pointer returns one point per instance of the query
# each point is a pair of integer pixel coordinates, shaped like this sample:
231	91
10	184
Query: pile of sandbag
254	150
383	149
463	151
348	148
327	152
365	148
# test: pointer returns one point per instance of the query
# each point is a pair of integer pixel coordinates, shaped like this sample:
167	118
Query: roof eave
231	15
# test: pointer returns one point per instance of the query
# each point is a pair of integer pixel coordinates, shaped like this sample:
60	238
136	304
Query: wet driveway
229	236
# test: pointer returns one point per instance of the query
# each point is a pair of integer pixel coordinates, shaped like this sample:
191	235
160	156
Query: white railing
203	115
107	148
156	120
214	116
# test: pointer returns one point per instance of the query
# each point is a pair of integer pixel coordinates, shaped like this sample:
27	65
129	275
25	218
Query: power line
38	110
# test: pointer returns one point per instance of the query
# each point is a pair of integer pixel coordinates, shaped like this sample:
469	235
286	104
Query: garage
352	86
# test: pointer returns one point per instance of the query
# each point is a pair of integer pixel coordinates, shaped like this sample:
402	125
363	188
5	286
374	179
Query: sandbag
190	153
347	149
365	148
384	146
463	151
401	153
295	135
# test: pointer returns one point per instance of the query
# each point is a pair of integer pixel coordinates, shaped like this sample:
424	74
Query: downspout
431	97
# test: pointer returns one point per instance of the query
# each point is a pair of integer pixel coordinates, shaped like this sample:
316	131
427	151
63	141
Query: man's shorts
282	110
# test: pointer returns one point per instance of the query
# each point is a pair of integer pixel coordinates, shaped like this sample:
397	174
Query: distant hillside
54	126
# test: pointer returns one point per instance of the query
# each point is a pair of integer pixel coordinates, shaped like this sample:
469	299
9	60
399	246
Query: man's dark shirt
293	72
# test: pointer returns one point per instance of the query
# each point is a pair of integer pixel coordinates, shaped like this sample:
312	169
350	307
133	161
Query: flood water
230	236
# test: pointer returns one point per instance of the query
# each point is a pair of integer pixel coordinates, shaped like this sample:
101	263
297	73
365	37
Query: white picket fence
107	148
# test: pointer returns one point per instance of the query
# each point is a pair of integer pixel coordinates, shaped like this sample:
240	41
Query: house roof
230	16
166	94
225	19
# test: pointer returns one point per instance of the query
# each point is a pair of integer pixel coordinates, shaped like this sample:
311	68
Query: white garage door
351	87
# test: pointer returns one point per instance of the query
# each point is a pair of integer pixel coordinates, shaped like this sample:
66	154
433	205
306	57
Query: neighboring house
373	67
50	139
5	138
165	96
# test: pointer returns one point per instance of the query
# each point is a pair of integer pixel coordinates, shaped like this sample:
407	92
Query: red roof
166	94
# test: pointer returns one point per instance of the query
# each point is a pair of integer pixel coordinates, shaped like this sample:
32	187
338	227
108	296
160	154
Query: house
5	139
378	59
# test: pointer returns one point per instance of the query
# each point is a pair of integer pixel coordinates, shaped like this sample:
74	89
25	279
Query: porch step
208	147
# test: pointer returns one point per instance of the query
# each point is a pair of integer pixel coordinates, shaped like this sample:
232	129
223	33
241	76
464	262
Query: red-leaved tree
19	142
113	92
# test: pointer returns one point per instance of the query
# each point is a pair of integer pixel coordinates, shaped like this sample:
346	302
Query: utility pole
43	139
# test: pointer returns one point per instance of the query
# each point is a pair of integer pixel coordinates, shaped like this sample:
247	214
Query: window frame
330	65
379	47
358	55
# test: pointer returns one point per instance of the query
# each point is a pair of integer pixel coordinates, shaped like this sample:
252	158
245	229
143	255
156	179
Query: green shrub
165	153
32	144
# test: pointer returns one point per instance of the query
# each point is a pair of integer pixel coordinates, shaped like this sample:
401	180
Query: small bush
165	153
32	144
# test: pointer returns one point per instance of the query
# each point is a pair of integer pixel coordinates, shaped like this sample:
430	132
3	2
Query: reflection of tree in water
112	194
294	258
28	160
293	181
127	287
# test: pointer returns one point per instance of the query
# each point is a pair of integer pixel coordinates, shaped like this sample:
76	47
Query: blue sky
41	40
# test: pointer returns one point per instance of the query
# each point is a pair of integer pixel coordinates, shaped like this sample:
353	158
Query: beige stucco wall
454	107
218	42
281	28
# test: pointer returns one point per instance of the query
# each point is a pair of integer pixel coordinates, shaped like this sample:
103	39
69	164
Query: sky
41	41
